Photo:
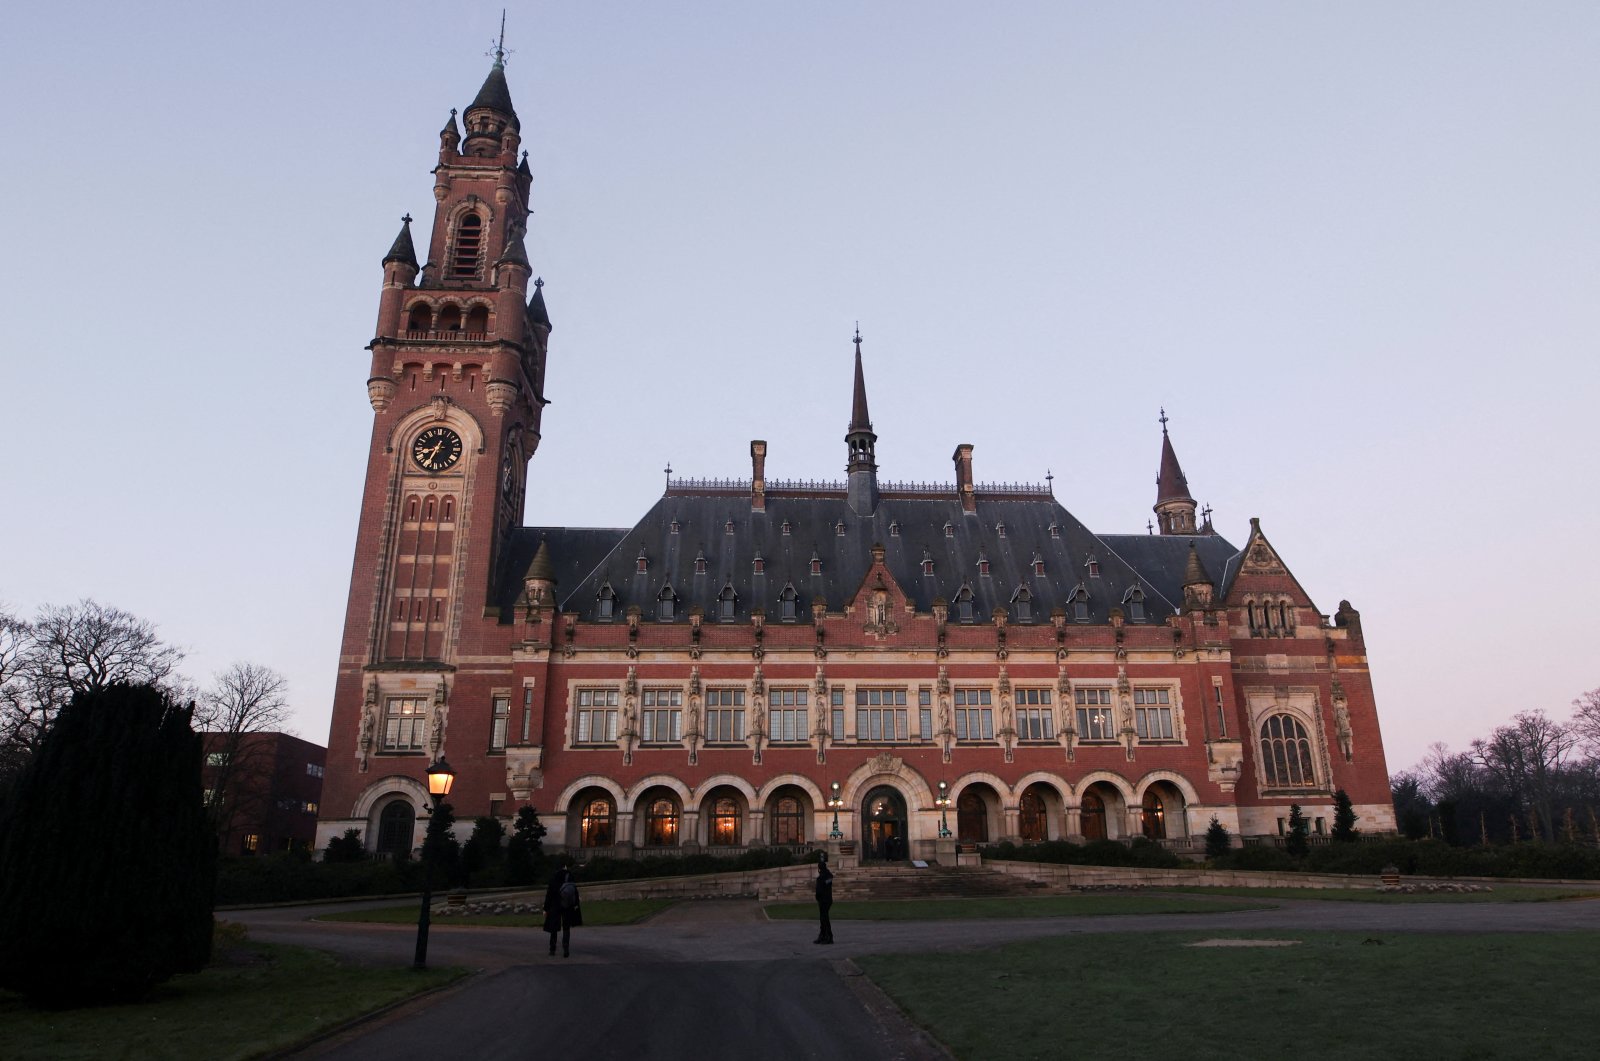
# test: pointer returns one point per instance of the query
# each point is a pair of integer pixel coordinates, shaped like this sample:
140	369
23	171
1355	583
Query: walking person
562	909
824	899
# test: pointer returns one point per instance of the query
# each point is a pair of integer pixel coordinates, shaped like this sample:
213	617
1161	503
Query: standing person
562	910
824	899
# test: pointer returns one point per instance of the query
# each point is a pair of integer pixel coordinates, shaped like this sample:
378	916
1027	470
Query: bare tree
1528	757
70	649
242	702
1586	721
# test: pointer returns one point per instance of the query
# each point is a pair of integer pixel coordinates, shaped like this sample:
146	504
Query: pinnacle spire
1174	507
863	466
402	250
541	569
1194	572
859	420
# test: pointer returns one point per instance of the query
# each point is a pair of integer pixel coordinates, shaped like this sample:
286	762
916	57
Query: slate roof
402	250
585	560
1162	559
496	95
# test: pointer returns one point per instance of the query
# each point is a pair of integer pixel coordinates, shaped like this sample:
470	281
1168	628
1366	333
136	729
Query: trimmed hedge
1427	858
600	869
1141	852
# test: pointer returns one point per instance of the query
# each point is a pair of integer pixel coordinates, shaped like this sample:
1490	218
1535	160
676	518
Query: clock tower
456	387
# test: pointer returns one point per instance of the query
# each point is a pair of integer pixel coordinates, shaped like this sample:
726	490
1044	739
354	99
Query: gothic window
725	822
925	714
405	724
927	563
727	528
1286	753
666	604
469	246
598	824
449	321
788	821
1152	714
676	527
1134	599
983	564
661	823
1038	564
607	609
972	818
500	717
397	826
1022	604
597	716
1055	530
964	604
1000	530
788	604
727	603
643	563
724	716
838	528
786	526
758	565
700	563
836	722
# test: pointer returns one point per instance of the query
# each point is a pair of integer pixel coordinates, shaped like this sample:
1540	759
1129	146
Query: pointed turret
516	253
537	314
1174	507
402	250
539	583
863	467
492	124
495	95
1197	585
450	136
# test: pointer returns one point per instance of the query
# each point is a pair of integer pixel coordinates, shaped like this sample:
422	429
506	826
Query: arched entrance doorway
1032	818
397	826
1092	811
1162	814
972	818
884	812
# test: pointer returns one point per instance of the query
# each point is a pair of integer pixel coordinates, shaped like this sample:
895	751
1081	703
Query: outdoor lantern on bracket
942	801
835	801
440	778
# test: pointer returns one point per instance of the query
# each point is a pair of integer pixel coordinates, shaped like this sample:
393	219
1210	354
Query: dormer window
759	564
666	605
1094	567
606	609
786	526
949	529
816	564
727	603
1134	599
927	563
700	563
727	528
1055	530
1022	604
999	530
838	528
983	564
1080	604
964	604
788	604
643	563
1038	564
469	246
676	526
894	528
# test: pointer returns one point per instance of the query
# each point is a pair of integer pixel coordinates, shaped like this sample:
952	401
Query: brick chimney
758	475
964	489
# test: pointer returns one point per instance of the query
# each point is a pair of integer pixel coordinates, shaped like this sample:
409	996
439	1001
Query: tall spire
1174	507
495	95
863	466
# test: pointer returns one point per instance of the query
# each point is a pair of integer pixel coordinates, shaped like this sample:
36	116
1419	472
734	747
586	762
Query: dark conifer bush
1344	818
1295	841
1217	839
107	859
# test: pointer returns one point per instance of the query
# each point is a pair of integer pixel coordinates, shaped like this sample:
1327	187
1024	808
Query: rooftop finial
539	282
1050	481
1163	420
406	219
500	45
858	337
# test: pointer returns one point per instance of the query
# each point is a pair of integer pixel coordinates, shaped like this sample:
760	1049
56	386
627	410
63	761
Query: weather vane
499	54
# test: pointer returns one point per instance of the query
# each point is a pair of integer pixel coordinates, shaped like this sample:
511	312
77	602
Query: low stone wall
757	883
1063	877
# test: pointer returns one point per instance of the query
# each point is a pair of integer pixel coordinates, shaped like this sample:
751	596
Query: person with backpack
562	909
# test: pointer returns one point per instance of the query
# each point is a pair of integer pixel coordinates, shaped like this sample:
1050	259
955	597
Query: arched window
469	246
449	318
478	319
447	509
1092	813
1286	753
413	506
597	827
396	827
725	822
788	821
661	824
1153	816
428	510
420	318
1031	816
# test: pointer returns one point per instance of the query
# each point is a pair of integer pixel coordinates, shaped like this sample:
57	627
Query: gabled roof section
1258	563
1162	560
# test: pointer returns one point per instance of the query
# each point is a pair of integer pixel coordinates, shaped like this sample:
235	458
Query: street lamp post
942	801
440	778
836	801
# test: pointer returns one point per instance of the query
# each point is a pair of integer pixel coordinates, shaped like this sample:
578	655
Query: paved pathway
716	979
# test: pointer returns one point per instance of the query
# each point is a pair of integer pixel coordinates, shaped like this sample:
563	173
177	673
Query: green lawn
258	998
1497	995
599	912
1040	906
1507	893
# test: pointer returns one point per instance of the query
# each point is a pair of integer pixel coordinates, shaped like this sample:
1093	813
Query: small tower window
1055	530
983	563
927	563
469	246
786	526
676	526
727	528
1000	530
838	528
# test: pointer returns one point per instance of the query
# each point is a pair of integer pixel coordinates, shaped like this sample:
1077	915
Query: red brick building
270	788
711	676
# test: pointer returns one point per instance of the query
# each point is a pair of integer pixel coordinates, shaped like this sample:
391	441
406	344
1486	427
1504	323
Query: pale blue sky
1351	248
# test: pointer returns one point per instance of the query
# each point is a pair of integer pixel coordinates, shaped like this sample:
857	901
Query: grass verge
1041	906
1498	995
258	998
600	912
1507	893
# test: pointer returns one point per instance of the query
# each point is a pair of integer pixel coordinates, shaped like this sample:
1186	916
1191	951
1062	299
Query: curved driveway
715	979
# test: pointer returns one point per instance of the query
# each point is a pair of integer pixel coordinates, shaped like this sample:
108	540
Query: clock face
436	449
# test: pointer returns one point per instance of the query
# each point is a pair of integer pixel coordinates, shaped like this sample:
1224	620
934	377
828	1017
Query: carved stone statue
1341	722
